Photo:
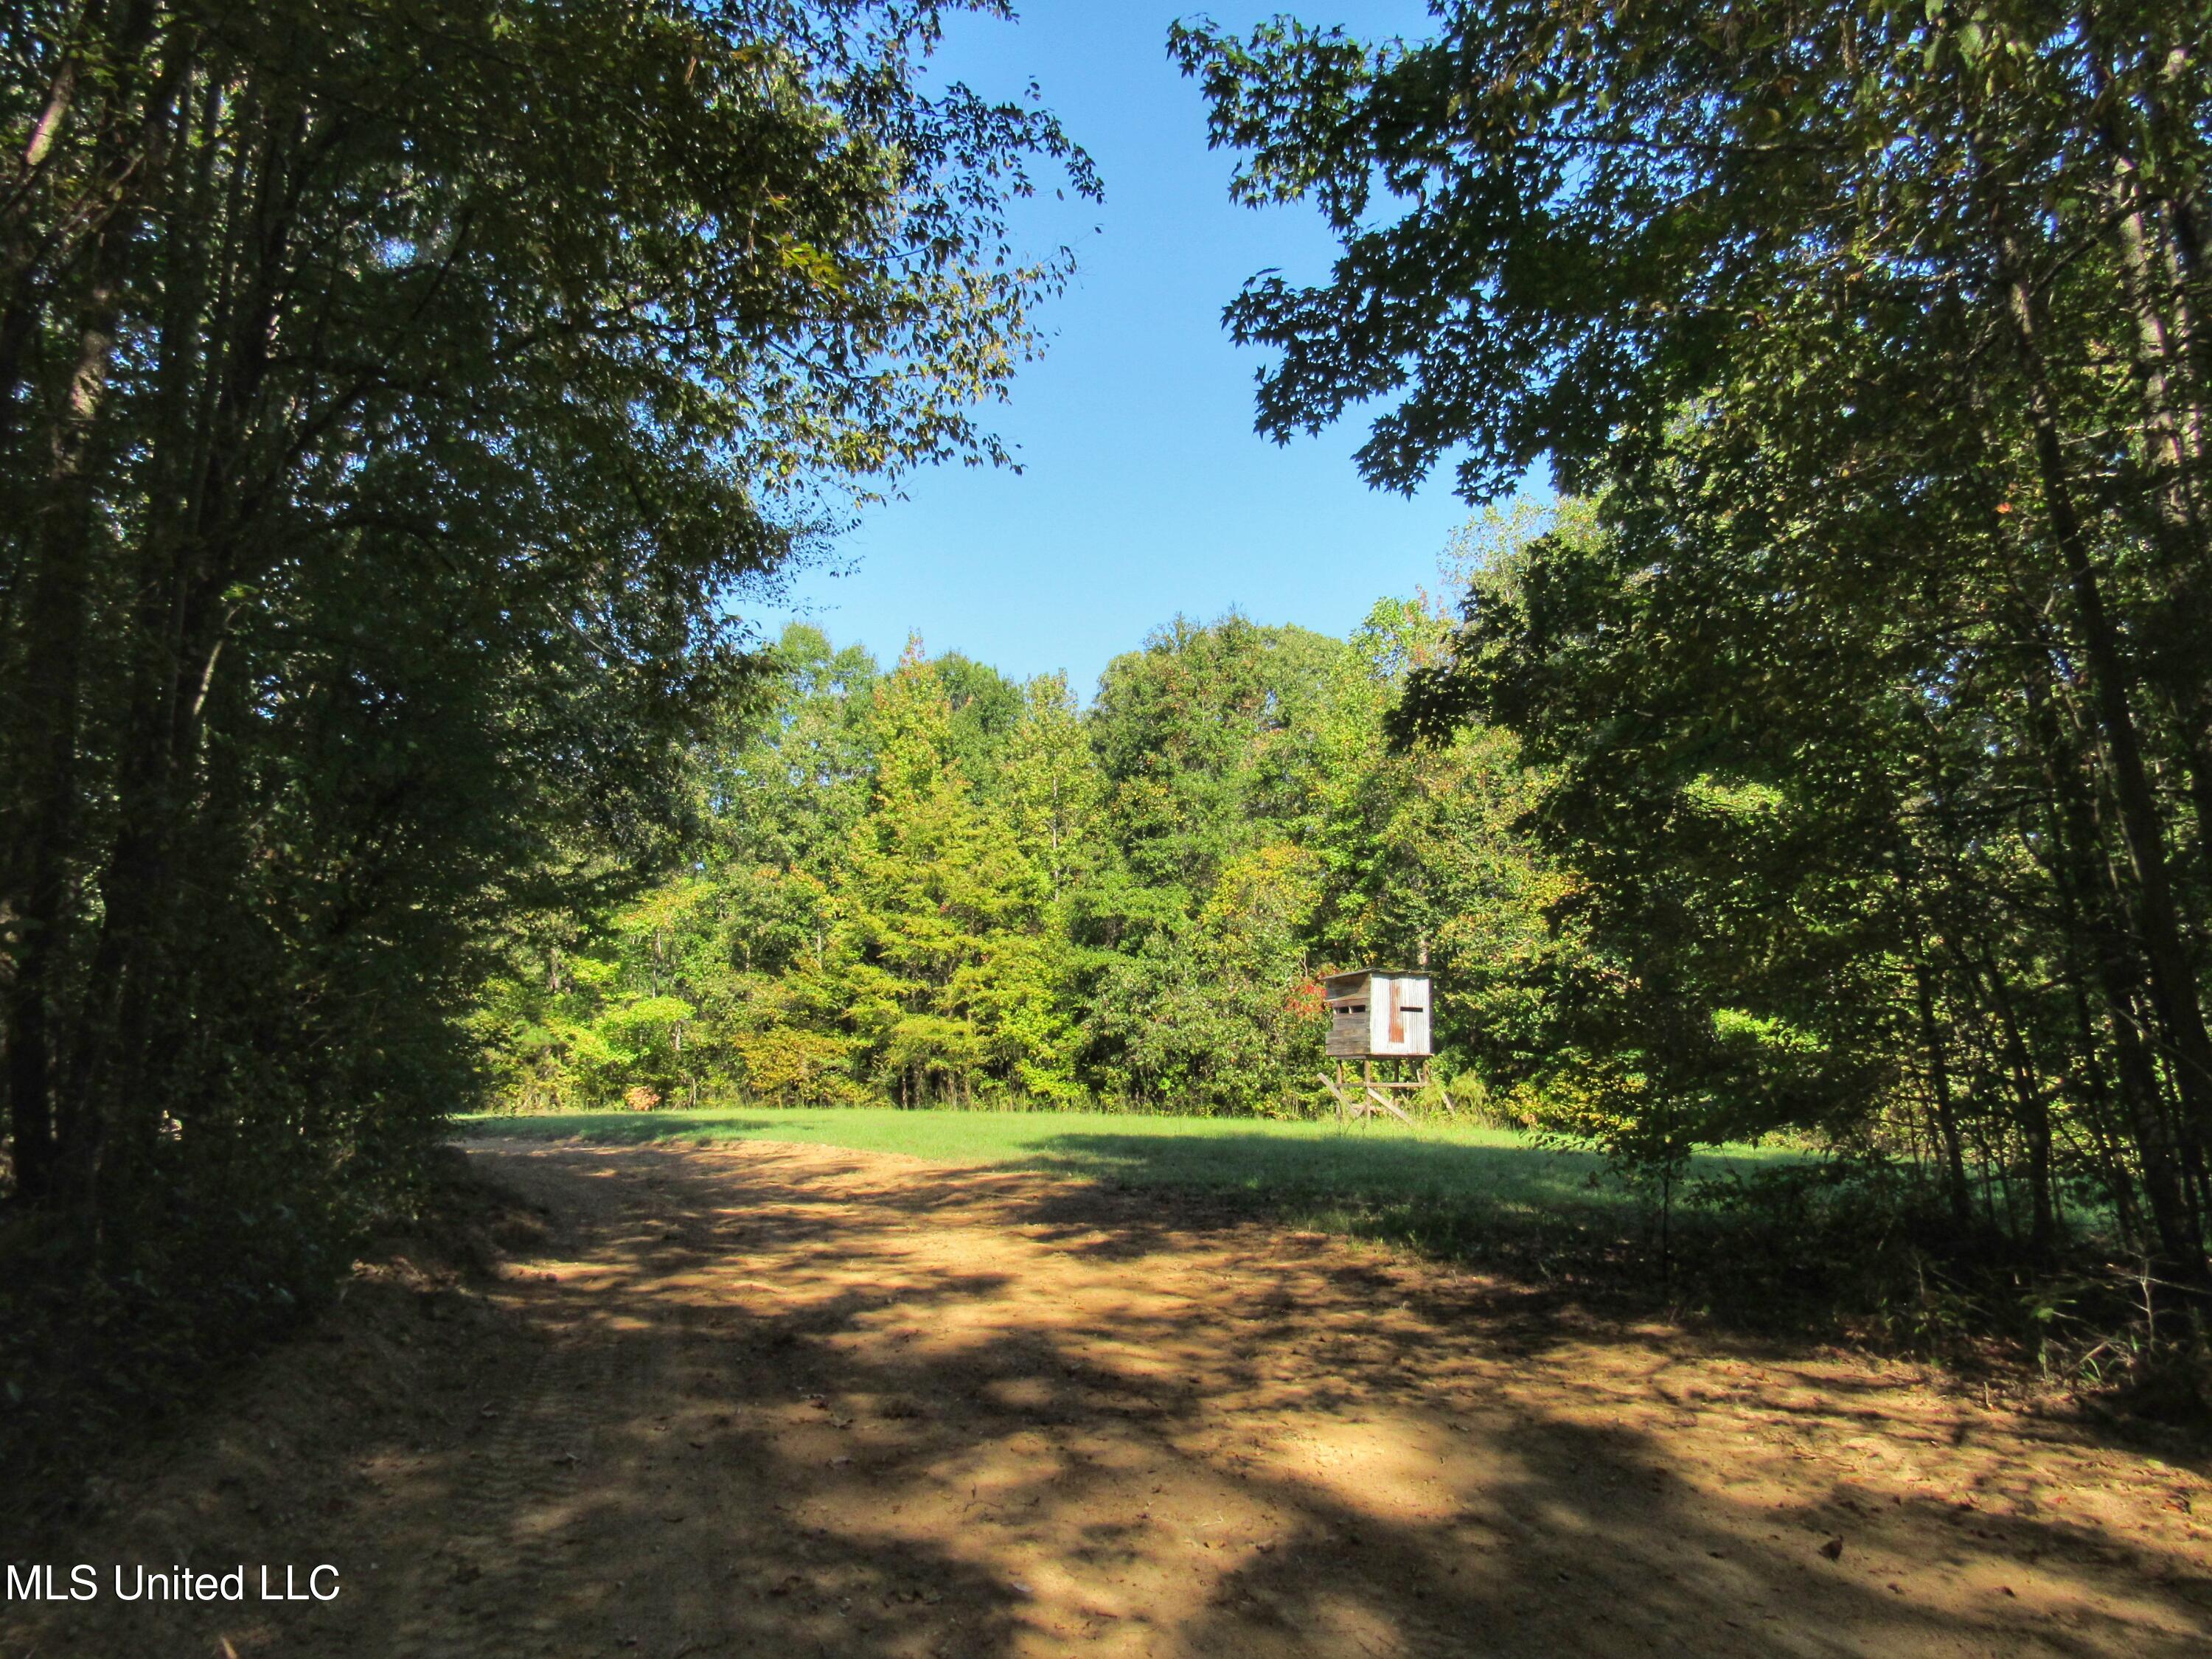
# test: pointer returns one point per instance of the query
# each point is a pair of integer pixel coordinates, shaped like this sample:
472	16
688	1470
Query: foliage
935	887
1866	682
393	399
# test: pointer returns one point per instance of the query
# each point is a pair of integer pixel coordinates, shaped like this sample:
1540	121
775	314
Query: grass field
1463	1190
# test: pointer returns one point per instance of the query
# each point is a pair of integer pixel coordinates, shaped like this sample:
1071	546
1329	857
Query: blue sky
1144	490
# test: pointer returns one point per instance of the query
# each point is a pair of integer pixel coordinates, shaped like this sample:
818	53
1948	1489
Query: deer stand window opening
1377	1015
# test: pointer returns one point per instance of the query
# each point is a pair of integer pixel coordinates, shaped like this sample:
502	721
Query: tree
1873	336
392	402
1432	863
946	952
899	898
1050	783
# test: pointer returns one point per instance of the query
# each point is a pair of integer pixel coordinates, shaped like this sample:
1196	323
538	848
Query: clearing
1448	1185
755	1397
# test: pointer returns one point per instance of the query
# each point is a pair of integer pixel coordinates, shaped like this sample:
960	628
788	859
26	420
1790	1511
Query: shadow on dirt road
758	1400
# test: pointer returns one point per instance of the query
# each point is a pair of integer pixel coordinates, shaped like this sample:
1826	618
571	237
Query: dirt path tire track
498	1555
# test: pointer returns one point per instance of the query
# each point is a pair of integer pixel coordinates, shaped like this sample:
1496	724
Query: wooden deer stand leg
1336	1091
1378	1101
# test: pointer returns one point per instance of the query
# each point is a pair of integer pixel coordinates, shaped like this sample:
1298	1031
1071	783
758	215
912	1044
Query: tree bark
49	1136
2172	980
2082	842
58	1137
1947	1114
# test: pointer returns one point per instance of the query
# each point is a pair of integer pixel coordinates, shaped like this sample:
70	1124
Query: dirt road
780	1401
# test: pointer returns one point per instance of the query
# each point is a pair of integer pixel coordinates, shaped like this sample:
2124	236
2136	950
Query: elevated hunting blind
1373	1011
1377	1014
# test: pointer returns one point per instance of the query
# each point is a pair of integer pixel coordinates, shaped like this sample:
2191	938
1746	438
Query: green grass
1462	1190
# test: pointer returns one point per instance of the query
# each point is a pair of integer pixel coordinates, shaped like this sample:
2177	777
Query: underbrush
1867	1248
1819	1252
108	1329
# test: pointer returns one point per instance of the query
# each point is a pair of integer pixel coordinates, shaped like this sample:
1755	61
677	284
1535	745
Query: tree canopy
395	399
1871	688
936	886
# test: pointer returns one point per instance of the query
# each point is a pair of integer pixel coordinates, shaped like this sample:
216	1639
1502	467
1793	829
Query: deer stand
1377	1015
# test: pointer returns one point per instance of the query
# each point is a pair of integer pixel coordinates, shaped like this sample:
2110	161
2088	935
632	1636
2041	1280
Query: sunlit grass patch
1448	1186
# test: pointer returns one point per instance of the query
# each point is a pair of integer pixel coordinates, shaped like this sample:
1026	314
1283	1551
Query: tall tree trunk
2108	1133
182	265
128	152
1947	1114
2034	1109
2081	844
50	1138
186	624
2172	980
2168	351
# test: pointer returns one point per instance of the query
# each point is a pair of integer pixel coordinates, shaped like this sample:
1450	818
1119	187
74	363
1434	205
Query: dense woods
393	397
932	885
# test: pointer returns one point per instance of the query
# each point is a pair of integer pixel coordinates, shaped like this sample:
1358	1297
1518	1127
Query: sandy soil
777	1400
